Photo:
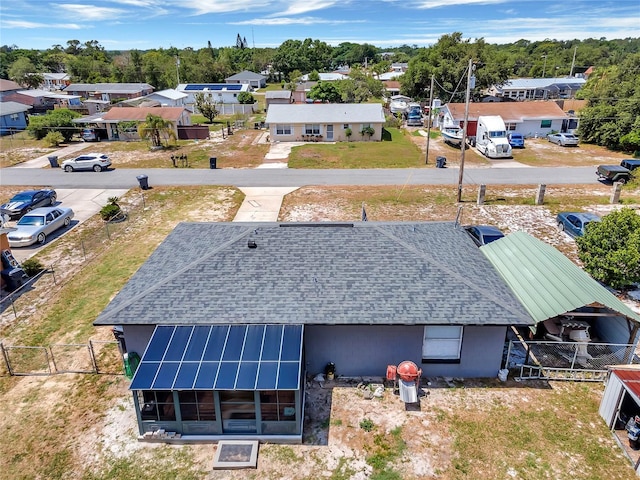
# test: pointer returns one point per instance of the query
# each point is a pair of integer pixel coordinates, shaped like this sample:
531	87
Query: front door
329	132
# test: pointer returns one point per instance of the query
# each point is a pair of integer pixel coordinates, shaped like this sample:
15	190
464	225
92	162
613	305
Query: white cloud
296	7
91	12
294	21
426	4
203	7
25	24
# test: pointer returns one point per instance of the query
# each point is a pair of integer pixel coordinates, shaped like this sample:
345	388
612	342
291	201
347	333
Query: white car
37	224
563	139
89	161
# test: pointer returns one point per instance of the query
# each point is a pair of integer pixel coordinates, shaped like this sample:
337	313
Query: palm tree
156	128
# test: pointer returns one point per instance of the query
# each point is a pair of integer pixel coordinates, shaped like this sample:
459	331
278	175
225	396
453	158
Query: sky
147	24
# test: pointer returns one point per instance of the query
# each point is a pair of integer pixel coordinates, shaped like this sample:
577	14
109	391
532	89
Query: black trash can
143	180
13	278
53	161
213	163
441	162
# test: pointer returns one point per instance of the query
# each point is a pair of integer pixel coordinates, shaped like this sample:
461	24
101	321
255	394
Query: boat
452	135
399	104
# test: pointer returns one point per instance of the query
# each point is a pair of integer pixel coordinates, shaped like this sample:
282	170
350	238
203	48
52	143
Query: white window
283	129
14	116
441	343
510	126
312	129
345	126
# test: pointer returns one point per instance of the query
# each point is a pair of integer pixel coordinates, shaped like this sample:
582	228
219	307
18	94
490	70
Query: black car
630	164
26	201
484	234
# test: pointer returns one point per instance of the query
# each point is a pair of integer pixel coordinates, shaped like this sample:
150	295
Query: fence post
615	193
106	227
92	356
540	194
481	192
575	355
53	360
53	274
6	359
84	252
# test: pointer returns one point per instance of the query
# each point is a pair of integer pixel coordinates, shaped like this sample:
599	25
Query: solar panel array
232	87
221	357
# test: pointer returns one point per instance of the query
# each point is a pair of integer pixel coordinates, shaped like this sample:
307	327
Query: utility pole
463	145
544	68
426	158
178	68
573	62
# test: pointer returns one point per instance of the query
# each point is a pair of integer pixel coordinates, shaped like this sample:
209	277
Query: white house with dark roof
229	319
325	122
538	88
254	80
109	91
220	93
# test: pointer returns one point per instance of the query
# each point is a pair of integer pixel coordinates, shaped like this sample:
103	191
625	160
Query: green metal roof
546	282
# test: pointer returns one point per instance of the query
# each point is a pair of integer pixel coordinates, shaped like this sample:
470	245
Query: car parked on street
516	140
575	223
630	164
563	139
89	161
35	226
26	201
613	173
484	234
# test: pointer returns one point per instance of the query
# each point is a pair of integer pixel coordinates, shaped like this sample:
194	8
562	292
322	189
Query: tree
206	106
610	249
23	72
59	120
325	92
246	98
156	128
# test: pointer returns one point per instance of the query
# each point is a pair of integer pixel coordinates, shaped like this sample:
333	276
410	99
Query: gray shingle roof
326	113
365	273
9	108
246	75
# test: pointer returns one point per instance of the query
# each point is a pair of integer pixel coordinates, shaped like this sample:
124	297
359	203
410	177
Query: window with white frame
312	129
283	129
14	117
345	126
441	344
510	126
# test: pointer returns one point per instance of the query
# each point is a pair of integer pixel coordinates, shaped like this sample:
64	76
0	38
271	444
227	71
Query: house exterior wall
367	350
298	129
13	122
612	330
611	399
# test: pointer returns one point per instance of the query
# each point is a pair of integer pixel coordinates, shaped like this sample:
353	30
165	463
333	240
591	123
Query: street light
544	68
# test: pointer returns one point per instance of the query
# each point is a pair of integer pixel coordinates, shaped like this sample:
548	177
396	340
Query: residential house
7	87
532	119
326	122
391	87
43	100
221	93
254	80
110	92
163	98
326	76
13	117
230	319
301	92
280	97
55	81
538	88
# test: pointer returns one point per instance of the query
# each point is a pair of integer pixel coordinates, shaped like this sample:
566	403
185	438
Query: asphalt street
119	178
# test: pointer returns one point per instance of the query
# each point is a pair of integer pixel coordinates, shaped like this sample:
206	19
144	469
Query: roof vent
252	244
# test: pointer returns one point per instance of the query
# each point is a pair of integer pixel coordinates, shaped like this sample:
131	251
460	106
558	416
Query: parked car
484	234
516	140
630	164
575	223
37	224
89	161
94	134
613	173
563	139
26	201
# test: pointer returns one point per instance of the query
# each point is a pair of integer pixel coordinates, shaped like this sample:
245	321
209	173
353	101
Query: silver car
89	161
563	139
37	224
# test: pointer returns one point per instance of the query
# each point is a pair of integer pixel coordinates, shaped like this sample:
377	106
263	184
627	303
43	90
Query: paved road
126	178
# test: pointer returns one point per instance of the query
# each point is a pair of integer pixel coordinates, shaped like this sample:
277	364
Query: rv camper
491	137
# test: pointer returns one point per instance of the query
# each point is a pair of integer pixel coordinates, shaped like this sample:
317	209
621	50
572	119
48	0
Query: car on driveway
563	139
35	226
26	201
516	140
575	223
630	164
89	161
484	234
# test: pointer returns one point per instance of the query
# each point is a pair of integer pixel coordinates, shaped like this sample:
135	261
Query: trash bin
53	161
144	182
213	162
441	162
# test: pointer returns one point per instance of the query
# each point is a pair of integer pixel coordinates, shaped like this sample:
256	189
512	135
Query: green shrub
366	424
32	267
109	211
53	139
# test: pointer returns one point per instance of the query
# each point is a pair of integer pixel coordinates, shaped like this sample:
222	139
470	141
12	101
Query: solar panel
213	87
221	357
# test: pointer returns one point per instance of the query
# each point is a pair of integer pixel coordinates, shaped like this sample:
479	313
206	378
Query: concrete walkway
261	204
43	161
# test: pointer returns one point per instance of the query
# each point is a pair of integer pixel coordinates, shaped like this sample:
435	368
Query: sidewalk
261	204
43	161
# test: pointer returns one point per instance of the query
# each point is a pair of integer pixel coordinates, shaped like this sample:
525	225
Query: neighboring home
44	100
254	80
326	76
13	117
178	116
163	98
383	77
231	319
223	93
110	92
8	87
301	92
55	81
538	88
280	97
399	67
391	87
532	119
324	122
